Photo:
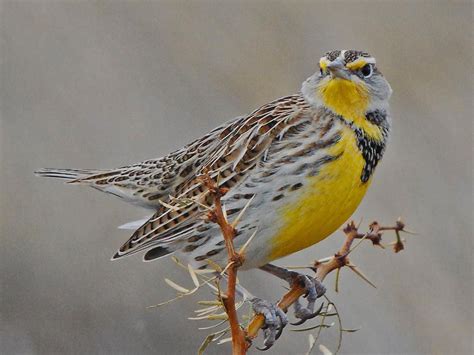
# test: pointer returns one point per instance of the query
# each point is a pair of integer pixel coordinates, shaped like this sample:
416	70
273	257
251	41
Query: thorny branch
323	267
235	260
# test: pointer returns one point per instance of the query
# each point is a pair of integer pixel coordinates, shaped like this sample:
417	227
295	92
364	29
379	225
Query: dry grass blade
225	340
311	341
205	344
210	338
177	287
324	350
207	310
219	316
193	275
182	202
314	327
210	303
227	267
167	302
204	271
171	207
214	288
214	265
213	326
350	330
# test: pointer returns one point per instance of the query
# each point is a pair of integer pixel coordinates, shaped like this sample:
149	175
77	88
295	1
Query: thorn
407	231
324	260
237	219
247	243
224	212
395	242
361	275
338	272
400	224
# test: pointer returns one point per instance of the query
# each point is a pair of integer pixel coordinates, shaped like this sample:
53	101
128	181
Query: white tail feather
134	225
66	174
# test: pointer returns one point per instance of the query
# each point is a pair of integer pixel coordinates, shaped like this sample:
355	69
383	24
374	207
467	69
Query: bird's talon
275	321
279	332
314	290
310	316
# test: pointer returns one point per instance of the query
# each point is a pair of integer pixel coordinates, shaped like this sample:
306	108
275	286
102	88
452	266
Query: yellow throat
350	100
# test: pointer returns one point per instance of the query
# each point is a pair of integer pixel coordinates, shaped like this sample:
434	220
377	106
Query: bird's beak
338	69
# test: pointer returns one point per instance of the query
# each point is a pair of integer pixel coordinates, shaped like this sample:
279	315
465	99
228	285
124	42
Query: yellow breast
328	200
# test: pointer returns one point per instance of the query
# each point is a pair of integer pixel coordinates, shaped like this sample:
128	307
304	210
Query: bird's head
348	83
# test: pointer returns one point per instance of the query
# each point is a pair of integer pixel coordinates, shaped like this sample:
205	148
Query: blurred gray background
99	84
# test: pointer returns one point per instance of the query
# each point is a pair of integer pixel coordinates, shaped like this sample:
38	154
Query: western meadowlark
305	161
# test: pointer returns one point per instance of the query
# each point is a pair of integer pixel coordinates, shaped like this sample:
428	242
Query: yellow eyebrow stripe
356	65
323	63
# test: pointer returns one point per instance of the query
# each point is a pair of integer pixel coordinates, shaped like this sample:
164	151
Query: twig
339	260
235	260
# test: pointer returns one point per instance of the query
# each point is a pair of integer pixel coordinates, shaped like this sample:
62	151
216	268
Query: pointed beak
338	69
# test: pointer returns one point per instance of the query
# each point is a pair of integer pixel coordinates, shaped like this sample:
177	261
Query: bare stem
235	260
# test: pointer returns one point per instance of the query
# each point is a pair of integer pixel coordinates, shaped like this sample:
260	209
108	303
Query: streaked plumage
305	160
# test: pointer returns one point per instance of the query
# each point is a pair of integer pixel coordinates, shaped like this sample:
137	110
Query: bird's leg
314	289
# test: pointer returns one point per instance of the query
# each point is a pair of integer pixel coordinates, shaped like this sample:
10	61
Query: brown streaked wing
147	182
241	144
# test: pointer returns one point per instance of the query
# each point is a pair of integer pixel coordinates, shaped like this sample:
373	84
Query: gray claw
308	316
275	321
315	289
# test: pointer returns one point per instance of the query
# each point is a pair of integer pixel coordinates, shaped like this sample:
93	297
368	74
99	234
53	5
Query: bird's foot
312	286
275	321
314	290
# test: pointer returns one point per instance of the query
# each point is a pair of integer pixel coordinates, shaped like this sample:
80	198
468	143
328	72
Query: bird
300	165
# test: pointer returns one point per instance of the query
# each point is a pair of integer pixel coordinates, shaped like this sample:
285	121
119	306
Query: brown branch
339	260
235	260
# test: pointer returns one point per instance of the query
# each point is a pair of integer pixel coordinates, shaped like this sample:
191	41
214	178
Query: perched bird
305	161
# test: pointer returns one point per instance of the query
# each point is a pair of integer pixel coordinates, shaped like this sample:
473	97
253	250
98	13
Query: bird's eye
366	70
321	71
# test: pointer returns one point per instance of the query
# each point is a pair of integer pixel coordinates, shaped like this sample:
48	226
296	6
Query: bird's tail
71	175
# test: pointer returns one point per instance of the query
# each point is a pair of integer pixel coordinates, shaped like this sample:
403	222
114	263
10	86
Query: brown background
101	84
